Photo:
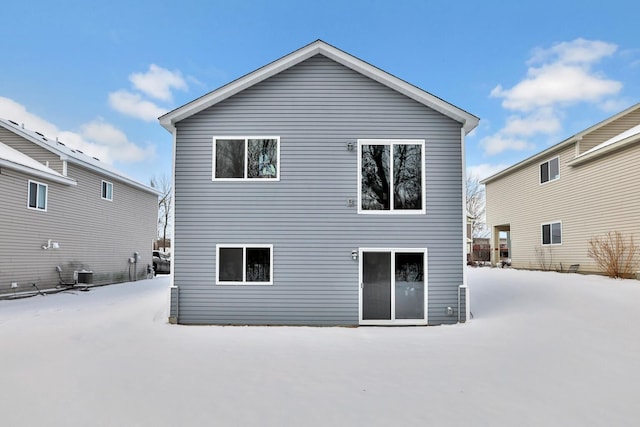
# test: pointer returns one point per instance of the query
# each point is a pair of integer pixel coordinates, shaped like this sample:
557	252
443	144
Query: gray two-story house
68	218
319	190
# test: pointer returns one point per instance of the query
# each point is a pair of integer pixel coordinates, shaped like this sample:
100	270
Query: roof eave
469	121
573	139
619	145
531	159
169	119
37	173
114	176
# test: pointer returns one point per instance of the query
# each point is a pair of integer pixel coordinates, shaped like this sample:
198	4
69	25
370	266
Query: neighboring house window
550	170
37	196
552	233
244	264
107	190
391	176
238	158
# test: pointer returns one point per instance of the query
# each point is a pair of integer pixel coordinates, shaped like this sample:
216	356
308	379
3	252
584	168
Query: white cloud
496	144
115	141
158	82
485	170
543	121
578	51
557	77
10	109
556	84
132	104
97	138
615	105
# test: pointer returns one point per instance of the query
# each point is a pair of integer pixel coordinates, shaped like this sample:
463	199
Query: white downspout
172	284
464	227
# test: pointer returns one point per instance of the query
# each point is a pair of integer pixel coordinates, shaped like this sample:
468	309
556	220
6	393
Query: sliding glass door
393	286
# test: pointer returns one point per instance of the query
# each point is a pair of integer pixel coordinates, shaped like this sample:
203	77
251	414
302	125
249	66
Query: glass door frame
393	320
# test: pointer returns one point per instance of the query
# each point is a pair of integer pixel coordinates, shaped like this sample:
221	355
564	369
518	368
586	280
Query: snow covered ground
543	349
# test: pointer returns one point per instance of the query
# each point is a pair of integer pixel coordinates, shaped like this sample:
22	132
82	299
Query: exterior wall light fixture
51	245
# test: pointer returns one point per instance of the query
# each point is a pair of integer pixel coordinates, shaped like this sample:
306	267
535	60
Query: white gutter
601	151
37	173
114	175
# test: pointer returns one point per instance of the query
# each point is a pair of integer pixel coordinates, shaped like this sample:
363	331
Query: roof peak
168	120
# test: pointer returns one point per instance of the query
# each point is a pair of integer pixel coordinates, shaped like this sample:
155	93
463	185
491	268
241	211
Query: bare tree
614	255
165	205
476	206
544	258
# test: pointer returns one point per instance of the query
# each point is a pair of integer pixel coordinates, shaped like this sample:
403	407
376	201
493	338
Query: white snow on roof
624	135
57	146
20	159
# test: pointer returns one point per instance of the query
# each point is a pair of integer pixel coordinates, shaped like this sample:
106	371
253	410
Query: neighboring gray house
319	190
62	208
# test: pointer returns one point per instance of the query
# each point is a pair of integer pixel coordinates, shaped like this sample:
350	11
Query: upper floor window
552	233
550	170
244	264
37	196
391	176
107	190
240	158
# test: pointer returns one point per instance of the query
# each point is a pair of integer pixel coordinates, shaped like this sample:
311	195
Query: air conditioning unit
83	277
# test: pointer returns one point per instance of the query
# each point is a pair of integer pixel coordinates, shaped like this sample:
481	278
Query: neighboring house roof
16	160
73	156
468	121
627	137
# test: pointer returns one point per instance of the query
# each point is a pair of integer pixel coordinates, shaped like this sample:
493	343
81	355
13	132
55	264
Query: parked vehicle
161	263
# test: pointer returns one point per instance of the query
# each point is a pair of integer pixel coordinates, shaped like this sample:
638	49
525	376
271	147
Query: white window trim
101	188
392	211
549	169
246	165
393	251
550	224
244	247
46	199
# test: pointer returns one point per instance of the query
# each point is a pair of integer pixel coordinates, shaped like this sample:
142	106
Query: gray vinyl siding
93	234
30	149
315	107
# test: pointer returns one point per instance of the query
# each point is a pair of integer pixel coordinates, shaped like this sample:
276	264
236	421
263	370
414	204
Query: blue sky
97	75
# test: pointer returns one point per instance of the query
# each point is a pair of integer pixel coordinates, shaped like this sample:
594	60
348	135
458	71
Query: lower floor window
552	233
244	264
